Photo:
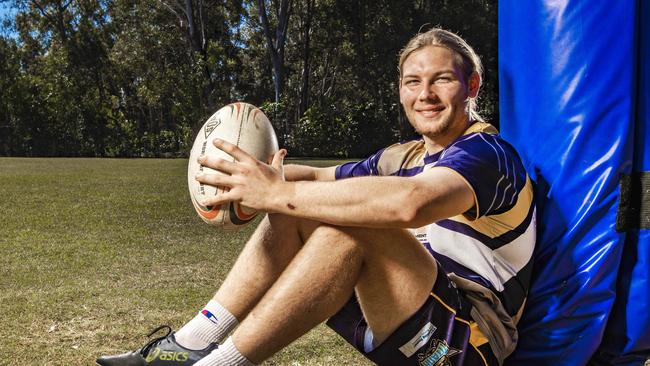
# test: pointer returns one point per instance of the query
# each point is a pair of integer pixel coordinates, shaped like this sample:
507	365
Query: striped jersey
487	251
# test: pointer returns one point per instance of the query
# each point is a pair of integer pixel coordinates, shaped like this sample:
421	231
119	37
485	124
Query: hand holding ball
242	125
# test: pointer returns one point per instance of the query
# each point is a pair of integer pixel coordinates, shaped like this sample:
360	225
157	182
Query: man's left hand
246	180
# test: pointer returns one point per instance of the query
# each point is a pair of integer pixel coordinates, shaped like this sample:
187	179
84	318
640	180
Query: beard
432	128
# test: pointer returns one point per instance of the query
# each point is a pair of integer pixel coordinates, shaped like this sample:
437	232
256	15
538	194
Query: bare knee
279	227
372	242
278	232
282	222
287	225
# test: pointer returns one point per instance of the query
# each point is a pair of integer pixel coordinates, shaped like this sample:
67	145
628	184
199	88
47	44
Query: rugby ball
240	124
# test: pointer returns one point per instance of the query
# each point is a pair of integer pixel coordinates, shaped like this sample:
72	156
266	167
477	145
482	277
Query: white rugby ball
240	124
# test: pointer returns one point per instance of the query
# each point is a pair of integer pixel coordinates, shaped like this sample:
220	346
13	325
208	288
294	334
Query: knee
285	226
314	232
280	221
333	237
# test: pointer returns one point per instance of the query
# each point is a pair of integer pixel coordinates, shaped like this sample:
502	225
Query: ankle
226	354
211	325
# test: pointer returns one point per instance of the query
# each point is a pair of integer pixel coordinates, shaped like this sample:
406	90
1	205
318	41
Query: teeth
431	110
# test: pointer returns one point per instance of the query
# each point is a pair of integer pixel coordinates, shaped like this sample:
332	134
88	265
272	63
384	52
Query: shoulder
485	150
397	159
491	166
481	138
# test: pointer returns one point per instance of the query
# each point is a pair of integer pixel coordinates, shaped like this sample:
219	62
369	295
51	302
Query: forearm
403	202
365	201
296	172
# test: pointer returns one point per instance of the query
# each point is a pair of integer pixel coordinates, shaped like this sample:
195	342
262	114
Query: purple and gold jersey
486	251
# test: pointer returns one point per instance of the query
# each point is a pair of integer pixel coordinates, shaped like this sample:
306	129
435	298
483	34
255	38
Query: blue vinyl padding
567	103
627	337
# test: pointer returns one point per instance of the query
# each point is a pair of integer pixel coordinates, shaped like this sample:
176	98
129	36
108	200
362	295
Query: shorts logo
420	339
209	315
438	354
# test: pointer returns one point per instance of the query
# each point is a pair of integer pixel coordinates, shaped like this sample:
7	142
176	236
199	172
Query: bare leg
267	253
391	271
398	276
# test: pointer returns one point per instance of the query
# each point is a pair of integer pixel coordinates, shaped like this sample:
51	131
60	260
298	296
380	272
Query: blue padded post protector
627	337
566	74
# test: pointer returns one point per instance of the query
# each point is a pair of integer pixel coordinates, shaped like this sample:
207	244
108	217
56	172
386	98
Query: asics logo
161	355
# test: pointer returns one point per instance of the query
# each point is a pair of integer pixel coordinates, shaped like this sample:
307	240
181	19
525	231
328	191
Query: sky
5	9
5	12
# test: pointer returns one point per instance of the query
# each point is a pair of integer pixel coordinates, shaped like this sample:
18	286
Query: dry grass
95	252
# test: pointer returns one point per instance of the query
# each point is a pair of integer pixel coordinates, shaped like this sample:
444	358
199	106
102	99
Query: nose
427	92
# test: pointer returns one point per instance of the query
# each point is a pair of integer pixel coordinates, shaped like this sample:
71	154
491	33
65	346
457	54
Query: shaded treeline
139	77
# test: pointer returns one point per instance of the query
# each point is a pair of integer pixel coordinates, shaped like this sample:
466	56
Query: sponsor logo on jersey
438	354
209	315
420	339
158	354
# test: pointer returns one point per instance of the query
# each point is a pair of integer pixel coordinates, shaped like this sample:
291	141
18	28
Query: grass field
96	252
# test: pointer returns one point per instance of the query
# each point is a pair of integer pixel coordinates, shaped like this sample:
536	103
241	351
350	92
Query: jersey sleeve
492	168
361	168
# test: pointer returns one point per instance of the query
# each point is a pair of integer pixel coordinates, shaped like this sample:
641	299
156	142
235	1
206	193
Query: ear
474	84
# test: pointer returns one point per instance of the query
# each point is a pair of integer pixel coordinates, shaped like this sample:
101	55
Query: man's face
433	92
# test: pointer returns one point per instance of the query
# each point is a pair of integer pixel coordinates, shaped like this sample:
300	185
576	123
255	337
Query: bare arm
377	201
366	201
295	172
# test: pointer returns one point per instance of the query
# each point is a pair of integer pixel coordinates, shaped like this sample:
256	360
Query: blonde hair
466	58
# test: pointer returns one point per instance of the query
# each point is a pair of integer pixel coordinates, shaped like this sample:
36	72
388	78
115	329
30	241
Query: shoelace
145	350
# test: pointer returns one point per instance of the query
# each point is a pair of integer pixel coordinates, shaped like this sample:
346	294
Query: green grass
96	252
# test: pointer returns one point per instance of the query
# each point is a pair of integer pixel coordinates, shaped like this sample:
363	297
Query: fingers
233	151
278	159
219	199
244	180
217	180
219	164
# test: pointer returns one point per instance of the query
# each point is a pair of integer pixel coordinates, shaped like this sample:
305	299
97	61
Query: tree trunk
192	34
304	88
196	39
276	44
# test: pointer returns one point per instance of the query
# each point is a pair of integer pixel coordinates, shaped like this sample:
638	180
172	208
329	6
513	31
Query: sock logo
209	315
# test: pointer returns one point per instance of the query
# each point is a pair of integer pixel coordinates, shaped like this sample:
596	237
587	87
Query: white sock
226	355
210	325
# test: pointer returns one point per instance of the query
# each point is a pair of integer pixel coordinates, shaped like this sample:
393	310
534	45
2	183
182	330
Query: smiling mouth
429	112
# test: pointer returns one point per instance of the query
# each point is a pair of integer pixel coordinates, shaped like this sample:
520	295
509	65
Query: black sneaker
161	351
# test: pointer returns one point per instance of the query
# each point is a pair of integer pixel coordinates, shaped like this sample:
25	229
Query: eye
411	82
443	80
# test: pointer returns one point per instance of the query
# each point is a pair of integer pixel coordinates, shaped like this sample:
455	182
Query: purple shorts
440	333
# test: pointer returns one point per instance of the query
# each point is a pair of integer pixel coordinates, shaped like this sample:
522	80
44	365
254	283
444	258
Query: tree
276	40
306	53
137	77
200	31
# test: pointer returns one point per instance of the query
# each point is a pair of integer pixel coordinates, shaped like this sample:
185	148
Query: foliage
125	78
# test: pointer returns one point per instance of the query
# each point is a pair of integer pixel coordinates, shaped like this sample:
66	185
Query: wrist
281	196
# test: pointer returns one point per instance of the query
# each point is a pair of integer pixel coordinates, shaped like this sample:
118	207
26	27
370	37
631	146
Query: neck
436	143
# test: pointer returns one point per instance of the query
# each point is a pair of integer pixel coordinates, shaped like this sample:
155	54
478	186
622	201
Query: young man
418	255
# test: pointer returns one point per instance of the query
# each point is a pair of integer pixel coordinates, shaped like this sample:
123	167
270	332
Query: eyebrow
438	73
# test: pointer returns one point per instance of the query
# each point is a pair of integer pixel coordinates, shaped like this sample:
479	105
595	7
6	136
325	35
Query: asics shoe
161	351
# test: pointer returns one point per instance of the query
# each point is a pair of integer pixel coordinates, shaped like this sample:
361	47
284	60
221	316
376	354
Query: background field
96	252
